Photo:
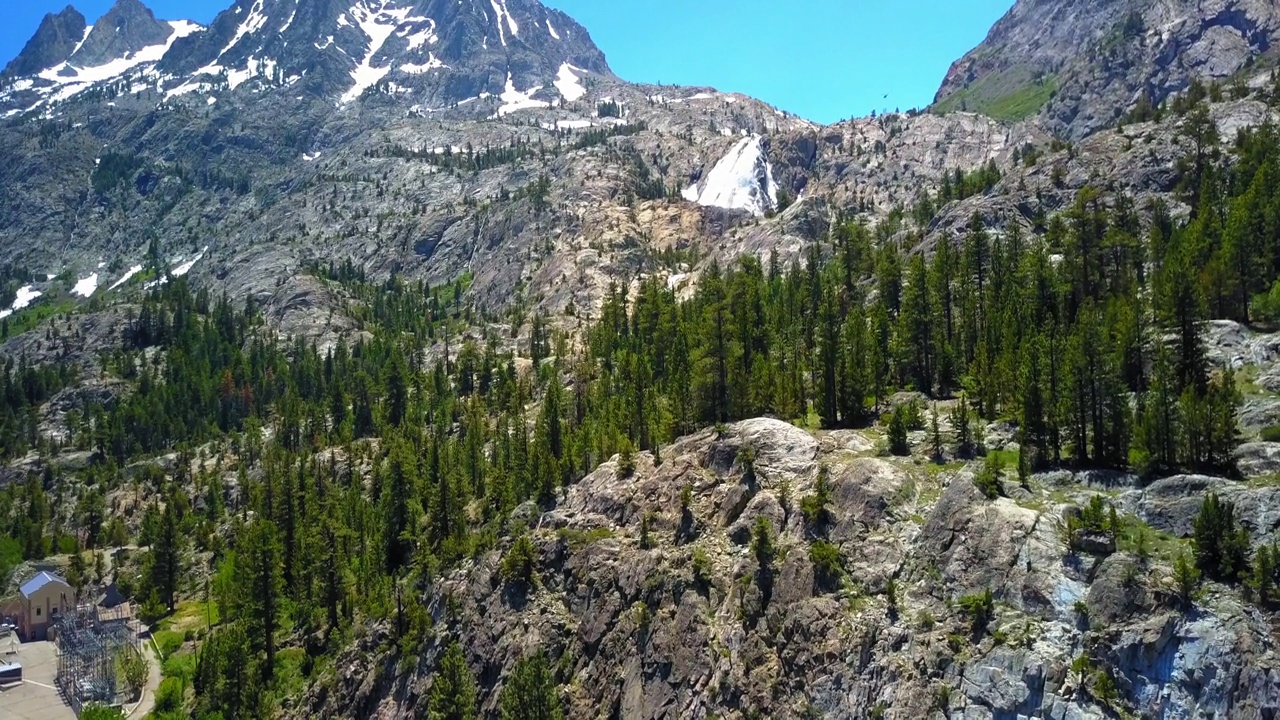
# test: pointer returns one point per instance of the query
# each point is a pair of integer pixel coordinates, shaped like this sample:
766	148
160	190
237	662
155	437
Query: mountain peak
445	50
57	37
126	28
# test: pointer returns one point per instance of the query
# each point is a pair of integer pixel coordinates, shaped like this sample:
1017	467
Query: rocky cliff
1081	65
654	606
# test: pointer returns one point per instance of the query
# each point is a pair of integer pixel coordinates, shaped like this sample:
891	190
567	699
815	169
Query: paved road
148	699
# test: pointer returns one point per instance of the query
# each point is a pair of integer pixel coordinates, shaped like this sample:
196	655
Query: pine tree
397	498
453	689
530	692
1263	580
1187	578
397	391
166	558
260	579
1221	547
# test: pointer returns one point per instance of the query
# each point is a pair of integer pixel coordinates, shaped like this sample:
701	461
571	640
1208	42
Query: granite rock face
1091	61
57	37
687	626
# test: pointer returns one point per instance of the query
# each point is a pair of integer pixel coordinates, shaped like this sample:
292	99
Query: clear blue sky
825	60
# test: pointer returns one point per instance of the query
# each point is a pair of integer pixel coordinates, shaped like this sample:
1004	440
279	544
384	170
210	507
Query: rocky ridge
651	609
1079	66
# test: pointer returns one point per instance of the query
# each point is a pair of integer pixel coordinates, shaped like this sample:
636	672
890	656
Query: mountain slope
128	27
452	51
58	36
435	252
1081	64
669	617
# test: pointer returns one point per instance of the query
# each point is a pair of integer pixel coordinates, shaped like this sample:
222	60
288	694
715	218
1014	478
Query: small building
43	598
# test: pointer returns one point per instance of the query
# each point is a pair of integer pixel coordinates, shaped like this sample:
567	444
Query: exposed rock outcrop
674	624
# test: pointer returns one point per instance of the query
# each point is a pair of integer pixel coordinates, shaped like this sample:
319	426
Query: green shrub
168	642
519	564
701	567
925	620
988	478
179	665
169	696
981	609
1271	434
626	462
898	427
827	565
814	507
1266	306
94	711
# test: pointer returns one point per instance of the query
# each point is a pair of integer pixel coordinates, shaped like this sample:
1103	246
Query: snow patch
741	180
253	68
420	38
568	125
185	267
514	100
26	295
501	13
86	287
72	79
378	24
552	30
311	157
126	278
252	24
569	85
87	29
432	64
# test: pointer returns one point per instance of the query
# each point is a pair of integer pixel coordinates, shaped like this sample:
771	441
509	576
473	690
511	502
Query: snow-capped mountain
67	57
58	36
436	53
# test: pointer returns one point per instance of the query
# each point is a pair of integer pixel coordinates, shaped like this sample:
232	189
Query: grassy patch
190	615
1008	458
168	642
181	665
1264	481
33	316
290	672
582	538
1139	538
1034	505
992	98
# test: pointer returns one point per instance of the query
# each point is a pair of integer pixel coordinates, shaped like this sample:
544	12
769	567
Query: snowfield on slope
26	295
378	24
741	180
126	278
86	287
513	100
569	84
72	80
